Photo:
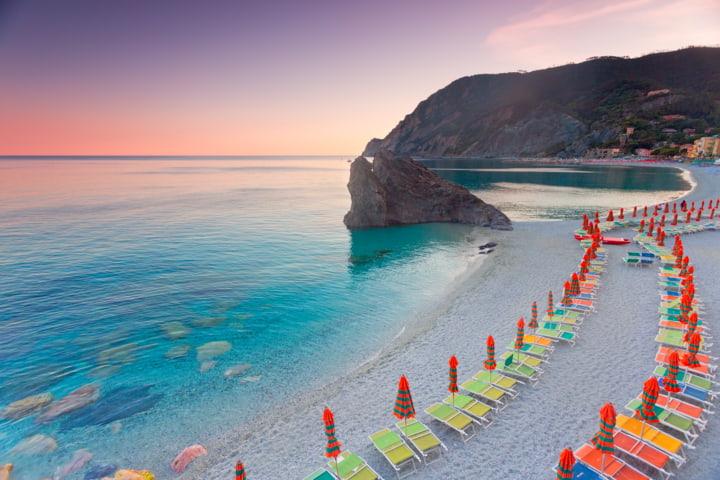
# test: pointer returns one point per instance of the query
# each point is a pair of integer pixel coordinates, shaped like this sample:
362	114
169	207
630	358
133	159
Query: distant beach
614	355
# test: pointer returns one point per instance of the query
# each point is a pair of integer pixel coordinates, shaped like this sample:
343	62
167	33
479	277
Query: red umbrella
690	359
404	407
622	214
689	217
674	220
645	214
533	316
452	374
551	305
634	212
565	465
670	380
332	449
667	208
566	295
519	336
603	439
240	471
574	284
490	361
699	215
646	411
610	216
641	229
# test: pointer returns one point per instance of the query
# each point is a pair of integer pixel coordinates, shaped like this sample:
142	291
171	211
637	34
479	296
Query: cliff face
396	190
558	111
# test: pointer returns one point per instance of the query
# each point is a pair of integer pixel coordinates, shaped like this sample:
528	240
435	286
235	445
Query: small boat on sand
605	240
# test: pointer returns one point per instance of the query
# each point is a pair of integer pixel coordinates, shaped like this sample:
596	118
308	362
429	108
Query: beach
612	358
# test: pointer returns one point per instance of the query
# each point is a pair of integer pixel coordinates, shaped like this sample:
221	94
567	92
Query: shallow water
98	255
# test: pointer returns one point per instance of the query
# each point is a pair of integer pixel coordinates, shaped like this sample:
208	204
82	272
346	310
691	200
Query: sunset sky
279	77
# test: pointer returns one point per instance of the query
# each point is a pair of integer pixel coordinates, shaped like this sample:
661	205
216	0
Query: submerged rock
174	330
78	460
207	365
212	349
79	398
99	471
208	322
235	370
36	380
104	371
396	190
178	351
186	456
122	354
35	445
119	403
27	406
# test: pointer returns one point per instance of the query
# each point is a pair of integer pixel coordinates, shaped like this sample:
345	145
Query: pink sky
278	77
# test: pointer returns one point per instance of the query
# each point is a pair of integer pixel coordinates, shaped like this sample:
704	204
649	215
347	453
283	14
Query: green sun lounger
688	378
496	396
498	380
519	370
559	335
536	351
352	467
477	410
422	439
320	474
454	419
683	426
396	452
524	359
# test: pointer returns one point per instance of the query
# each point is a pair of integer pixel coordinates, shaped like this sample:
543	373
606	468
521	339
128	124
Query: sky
285	77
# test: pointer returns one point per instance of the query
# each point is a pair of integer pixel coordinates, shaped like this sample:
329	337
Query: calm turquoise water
99	255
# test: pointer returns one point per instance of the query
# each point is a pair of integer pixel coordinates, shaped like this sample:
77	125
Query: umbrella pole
337	468
602	464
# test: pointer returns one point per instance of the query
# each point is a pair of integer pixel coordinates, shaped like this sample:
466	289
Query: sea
190	294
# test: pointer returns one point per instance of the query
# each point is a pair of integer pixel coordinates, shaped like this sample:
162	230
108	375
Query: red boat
605	240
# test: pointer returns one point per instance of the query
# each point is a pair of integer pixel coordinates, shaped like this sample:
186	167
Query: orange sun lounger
663	441
647	454
614	467
683	408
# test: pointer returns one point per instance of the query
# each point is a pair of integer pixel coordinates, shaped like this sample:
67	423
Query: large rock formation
396	190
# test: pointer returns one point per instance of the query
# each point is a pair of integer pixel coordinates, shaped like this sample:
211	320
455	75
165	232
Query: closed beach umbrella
699	215
565	465
689	217
519	336
404	407
634	212
670	379
641	228
551	306
533	316
610	216
621	216
332	449
490	361
667	208
674	220
452	374
646	411
691	359
240	471
662	221
692	326
603	439
645	214
566	295
574	284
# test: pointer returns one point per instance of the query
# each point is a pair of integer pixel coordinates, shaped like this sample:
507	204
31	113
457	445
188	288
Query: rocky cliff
397	190
564	110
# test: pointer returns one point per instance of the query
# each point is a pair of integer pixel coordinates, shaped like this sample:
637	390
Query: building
707	147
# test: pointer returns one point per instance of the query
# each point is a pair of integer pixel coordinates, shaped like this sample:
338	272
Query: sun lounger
687	378
422	439
660	440
541	341
396	452
520	371
557	335
682	408
541	353
613	467
320	474
352	467
498	380
681	427
693	394
533	362
644	453
674	338
705	369
481	412
454	419
498	397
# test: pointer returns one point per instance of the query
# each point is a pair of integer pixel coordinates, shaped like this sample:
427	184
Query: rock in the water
212	349
99	471
36	445
78	460
208	322
250	379
175	330
27	406
235	370
36	380
178	351
5	471
122	354
396	190
104	371
207	365
79	398
186	456
119	403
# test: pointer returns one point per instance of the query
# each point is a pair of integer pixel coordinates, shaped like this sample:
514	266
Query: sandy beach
612	358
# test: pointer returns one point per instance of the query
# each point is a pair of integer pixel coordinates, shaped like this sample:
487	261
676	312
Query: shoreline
458	326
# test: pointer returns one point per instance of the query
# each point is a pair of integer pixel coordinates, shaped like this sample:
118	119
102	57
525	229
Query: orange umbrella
404	407
551	306
646	411
519	336
603	439
670	379
565	465
610	217
622	214
240	471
